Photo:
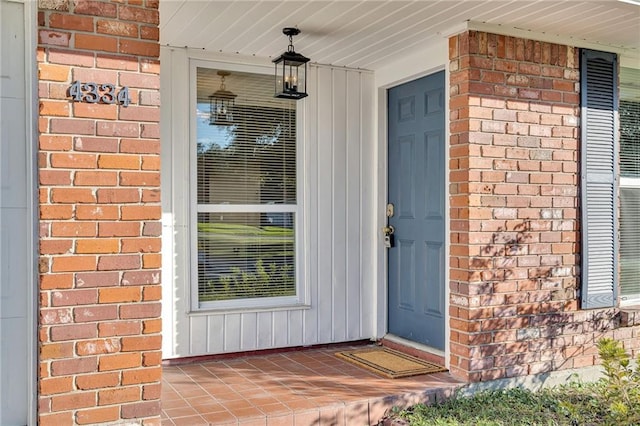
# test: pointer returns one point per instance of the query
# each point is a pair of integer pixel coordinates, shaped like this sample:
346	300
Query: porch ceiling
371	33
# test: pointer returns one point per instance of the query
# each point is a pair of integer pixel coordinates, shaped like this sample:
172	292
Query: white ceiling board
371	33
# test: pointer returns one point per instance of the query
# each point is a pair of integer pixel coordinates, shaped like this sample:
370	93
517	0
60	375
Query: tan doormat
389	363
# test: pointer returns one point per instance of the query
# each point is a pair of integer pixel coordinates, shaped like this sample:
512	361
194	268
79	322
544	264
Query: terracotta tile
180	412
285	420
335	416
191	421
306	418
277	408
174	403
253	422
220	418
247	413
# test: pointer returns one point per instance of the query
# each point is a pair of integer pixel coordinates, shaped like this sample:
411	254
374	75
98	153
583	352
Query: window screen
630	183
246	191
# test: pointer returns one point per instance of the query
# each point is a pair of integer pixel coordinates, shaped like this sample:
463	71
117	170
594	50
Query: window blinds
630	183
246	192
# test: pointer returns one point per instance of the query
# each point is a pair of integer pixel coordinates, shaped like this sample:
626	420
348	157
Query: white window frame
627	182
257	304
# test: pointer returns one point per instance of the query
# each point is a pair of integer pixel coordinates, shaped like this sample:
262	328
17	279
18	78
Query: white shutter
246	192
599	182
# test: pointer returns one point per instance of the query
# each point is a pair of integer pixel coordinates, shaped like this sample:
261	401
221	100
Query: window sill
256	309
630	316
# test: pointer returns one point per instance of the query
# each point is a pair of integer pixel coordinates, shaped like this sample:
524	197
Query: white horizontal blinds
599	157
246	191
630	183
630	242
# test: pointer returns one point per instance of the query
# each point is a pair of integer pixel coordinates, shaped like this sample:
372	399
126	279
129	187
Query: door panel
417	190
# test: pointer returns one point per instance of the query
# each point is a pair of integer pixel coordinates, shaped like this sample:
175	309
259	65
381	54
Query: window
246	193
629	185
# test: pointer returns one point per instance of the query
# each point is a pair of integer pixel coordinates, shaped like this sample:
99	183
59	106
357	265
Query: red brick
108	161
118	396
142	375
97	279
73	229
141	212
99	111
97	415
55	419
54	108
118	196
140	146
141	343
73	401
117	28
119	295
119	328
54	143
140	277
141	409
150	130
149	33
56	281
97	212
74	126
118	262
95	313
95	178
150	195
74	264
140	311
73	161
93	42
152	326
151	163
66	57
71	366
118	229
96	8
54	38
73	331
98	347
71	22
140	179
151	391
55	177
55	316
119	62
142	81
151	261
55	246
97	381
55	385
137	14
74	297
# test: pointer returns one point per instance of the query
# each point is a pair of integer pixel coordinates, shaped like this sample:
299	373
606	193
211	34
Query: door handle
388	230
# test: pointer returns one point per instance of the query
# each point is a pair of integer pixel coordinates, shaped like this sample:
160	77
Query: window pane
629	241
252	159
245	255
630	122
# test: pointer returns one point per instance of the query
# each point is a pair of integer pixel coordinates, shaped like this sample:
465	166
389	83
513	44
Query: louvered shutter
599	180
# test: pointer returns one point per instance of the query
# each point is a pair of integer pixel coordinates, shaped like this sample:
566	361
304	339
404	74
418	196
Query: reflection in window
246	192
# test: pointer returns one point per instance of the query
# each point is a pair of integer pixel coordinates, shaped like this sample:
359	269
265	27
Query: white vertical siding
338	198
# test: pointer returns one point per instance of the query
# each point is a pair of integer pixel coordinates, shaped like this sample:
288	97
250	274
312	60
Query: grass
574	404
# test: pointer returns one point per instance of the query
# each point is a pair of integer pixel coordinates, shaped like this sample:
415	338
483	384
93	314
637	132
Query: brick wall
514	187
99	196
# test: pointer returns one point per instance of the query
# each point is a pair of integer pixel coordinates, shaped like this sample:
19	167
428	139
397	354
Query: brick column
514	207
99	197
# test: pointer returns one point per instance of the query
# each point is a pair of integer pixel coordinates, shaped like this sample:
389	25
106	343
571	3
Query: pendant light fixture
291	71
221	104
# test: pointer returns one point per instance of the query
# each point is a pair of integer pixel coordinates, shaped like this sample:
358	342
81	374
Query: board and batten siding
338	176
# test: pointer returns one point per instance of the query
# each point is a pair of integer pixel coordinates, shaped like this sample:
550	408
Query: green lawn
571	405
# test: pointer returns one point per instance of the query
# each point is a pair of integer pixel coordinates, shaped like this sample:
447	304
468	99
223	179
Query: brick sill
630	316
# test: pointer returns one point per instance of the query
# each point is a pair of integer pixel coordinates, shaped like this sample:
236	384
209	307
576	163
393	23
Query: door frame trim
382	270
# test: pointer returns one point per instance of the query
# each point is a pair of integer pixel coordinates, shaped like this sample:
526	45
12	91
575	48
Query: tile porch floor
308	387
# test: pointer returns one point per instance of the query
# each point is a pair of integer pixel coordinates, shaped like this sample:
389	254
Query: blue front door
417	190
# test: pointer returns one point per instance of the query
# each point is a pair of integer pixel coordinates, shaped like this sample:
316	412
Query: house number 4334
94	93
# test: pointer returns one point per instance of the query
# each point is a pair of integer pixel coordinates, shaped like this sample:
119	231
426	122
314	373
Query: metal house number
94	93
